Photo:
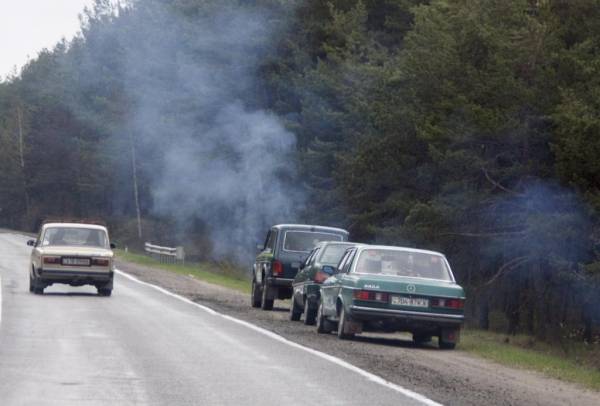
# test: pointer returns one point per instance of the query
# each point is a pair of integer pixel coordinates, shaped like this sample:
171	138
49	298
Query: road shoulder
449	377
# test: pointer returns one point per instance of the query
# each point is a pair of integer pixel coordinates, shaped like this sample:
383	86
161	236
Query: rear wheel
310	313
448	338
295	312
266	303
31	283
324	326
342	330
104	292
255	297
420	339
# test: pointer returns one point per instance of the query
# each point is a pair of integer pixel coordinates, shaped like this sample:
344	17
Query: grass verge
570	364
218	274
521	351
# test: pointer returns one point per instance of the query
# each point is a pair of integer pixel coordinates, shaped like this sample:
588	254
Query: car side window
308	259
340	266
271	238
314	256
349	260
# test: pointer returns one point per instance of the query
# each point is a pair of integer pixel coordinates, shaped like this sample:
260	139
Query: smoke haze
208	151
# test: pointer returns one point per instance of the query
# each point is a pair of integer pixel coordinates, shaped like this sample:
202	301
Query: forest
471	127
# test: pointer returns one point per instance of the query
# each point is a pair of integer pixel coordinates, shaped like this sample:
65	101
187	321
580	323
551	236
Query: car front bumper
370	313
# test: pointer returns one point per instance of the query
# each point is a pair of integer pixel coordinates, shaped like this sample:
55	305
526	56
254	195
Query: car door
331	287
302	278
264	259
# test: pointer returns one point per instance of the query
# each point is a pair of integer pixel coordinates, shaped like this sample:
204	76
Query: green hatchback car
380	288
319	266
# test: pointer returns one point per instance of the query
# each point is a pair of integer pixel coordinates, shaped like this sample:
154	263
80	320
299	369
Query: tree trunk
135	186
484	310
22	159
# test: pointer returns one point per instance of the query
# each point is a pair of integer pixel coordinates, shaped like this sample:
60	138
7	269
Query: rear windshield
304	241
65	236
332	254
403	263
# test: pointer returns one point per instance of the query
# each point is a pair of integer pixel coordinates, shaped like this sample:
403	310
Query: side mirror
31	243
112	246
328	269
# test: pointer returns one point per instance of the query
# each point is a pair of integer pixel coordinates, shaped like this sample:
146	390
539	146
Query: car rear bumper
280	282
70	276
366	313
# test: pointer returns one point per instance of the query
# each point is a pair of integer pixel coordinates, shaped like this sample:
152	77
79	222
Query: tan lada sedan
74	254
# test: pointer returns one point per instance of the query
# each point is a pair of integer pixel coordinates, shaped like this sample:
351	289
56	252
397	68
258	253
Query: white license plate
76	261
410	301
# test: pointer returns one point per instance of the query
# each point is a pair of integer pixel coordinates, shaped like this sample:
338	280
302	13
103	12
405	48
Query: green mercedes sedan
380	288
319	265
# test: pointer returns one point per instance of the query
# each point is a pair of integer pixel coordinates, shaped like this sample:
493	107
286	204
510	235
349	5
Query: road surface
145	346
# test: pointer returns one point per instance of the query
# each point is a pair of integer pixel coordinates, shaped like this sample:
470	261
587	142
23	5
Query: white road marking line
0	300
371	377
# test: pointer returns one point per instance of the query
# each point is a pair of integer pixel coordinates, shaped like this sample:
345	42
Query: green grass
217	274
573	365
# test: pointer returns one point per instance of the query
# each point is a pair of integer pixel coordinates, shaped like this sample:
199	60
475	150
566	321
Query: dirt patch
449	377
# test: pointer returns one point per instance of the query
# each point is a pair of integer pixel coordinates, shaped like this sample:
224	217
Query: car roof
309	227
348	243
75	225
394	248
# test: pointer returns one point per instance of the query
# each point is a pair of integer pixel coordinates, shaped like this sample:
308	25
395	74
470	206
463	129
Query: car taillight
455	303
448	303
100	262
321	276
369	295
277	268
52	260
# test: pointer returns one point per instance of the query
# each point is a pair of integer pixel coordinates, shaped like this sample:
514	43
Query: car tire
420	339
255	296
310	314
295	312
446	345
266	303
104	292
324	326
31	283
343	325
37	289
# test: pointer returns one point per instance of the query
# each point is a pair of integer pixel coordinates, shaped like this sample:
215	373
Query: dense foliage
467	126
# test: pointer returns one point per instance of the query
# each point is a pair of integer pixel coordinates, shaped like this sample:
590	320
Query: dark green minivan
319	266
286	247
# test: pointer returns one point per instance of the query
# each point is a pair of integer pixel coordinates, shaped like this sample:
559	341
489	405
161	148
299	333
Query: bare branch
509	266
498	185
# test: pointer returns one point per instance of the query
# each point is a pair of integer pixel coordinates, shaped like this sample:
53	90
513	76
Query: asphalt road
145	346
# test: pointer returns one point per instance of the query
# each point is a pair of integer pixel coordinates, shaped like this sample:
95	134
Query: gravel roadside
449	377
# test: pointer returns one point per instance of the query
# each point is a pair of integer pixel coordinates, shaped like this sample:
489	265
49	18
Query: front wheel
104	292
255	297
31	283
